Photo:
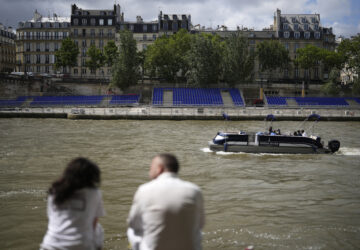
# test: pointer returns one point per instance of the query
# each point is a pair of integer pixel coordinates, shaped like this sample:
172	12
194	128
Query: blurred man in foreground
167	212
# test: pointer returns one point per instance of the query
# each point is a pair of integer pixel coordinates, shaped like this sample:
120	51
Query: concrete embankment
193	113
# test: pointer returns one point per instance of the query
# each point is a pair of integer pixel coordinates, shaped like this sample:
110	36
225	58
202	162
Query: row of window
286	26
92	32
40	59
302	19
102	22
144	27
47	25
41	47
306	35
38	69
307	73
40	35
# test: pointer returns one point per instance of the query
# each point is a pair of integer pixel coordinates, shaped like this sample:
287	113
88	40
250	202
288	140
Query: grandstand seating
236	97
124	99
308	101
276	100
66	100
13	103
197	96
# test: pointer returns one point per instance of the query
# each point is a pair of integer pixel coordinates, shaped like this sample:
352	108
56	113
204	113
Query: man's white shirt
167	213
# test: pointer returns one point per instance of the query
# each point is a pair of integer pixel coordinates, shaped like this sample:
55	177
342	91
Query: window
38	47
183	25
285	26
286	45
77	43
92	21
154	27
56	46
47	69
76	21
166	26
306	27
83	63
296	73
307	35
75	71
101	32
83	51
296	46
101	43
293	19
286	34
65	34
286	73
37	68
92	42
109	33
132	27
154	36
317	35
27	58
316	27
37	58
46	46
76	32
56	35
27	45
84	43
307	73
109	22
92	32
316	72
37	35
47	34
144	37
303	20
47	60
101	22
83	32
83	71
296	26
84	21
297	35
313	19
145	28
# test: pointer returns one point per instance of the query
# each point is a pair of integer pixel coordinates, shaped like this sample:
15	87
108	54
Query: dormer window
316	26
297	35
285	26
92	21
307	35
313	20
296	26
293	19
76	21
286	34
84	21
306	27
317	35
303	20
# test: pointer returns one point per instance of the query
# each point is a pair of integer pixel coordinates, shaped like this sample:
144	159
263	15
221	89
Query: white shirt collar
167	175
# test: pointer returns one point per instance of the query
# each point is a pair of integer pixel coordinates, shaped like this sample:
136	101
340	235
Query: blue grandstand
196	96
66	100
13	103
308	101
125	100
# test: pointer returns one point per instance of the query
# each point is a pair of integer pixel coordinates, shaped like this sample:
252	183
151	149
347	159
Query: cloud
252	14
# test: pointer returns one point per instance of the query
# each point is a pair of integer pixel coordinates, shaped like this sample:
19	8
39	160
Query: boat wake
207	150
348	151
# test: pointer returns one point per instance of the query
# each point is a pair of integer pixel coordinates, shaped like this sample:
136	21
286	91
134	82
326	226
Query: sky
342	15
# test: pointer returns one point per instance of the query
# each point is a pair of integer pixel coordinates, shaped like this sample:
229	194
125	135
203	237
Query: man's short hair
170	162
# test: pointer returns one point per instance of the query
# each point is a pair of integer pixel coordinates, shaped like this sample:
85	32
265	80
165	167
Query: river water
269	201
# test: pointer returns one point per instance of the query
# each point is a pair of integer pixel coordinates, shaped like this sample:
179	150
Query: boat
272	143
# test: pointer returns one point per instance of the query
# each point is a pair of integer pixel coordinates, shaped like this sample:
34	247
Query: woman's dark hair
79	173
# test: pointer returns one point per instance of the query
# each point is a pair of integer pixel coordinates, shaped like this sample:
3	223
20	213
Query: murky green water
270	201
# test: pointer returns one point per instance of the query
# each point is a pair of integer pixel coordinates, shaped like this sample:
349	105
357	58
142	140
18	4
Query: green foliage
331	88
332	59
356	87
110	53
205	60
350	49
67	54
309	56
126	67
97	59
167	56
238	63
272	55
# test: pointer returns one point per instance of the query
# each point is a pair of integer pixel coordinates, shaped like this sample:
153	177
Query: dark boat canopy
315	116
270	117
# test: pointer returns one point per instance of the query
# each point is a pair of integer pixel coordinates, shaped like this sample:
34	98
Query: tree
166	58
356	87
238	62
97	59
272	55
66	56
126	67
331	88
205	60
350	49
110	53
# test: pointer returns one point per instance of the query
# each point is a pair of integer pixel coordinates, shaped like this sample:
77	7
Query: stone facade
7	49
37	40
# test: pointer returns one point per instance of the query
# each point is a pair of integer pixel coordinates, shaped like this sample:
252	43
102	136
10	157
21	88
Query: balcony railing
41	37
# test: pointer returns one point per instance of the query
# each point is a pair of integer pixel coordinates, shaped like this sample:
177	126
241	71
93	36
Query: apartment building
92	27
37	40
7	49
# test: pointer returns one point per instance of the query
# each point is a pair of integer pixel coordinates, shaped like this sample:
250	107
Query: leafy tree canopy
67	54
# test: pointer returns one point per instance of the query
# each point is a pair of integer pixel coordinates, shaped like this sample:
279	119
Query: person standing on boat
303	133
73	208
167	212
